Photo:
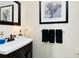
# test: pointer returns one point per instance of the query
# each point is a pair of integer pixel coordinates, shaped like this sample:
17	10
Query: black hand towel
51	36
45	35
58	36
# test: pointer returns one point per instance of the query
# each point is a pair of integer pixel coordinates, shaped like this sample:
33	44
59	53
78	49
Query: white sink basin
9	47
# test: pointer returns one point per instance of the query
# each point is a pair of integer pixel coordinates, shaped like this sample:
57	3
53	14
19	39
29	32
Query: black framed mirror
10	13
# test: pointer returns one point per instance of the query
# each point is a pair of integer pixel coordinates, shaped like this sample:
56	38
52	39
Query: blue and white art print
53	11
6	13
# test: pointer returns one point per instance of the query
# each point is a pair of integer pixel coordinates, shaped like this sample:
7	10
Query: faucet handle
12	36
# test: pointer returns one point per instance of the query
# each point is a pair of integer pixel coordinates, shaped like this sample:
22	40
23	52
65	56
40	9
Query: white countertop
11	46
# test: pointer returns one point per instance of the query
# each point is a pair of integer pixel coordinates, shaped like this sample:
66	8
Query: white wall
70	35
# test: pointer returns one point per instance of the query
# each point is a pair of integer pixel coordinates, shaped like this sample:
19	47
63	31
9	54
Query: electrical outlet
77	51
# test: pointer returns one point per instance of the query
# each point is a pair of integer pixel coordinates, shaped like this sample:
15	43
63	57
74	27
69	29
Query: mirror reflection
10	12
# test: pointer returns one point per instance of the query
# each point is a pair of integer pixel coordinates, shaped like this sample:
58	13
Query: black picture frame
19	15
55	22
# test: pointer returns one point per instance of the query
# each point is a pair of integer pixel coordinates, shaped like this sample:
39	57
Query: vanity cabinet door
28	52
24	52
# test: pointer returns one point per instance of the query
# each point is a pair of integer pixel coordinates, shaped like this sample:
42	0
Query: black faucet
11	38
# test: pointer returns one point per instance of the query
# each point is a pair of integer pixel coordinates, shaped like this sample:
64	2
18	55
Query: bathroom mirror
10	13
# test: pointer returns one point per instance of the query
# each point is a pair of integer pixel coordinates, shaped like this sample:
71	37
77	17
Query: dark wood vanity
24	52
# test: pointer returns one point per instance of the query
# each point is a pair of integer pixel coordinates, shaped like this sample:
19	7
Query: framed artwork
10	13
53	12
6	13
